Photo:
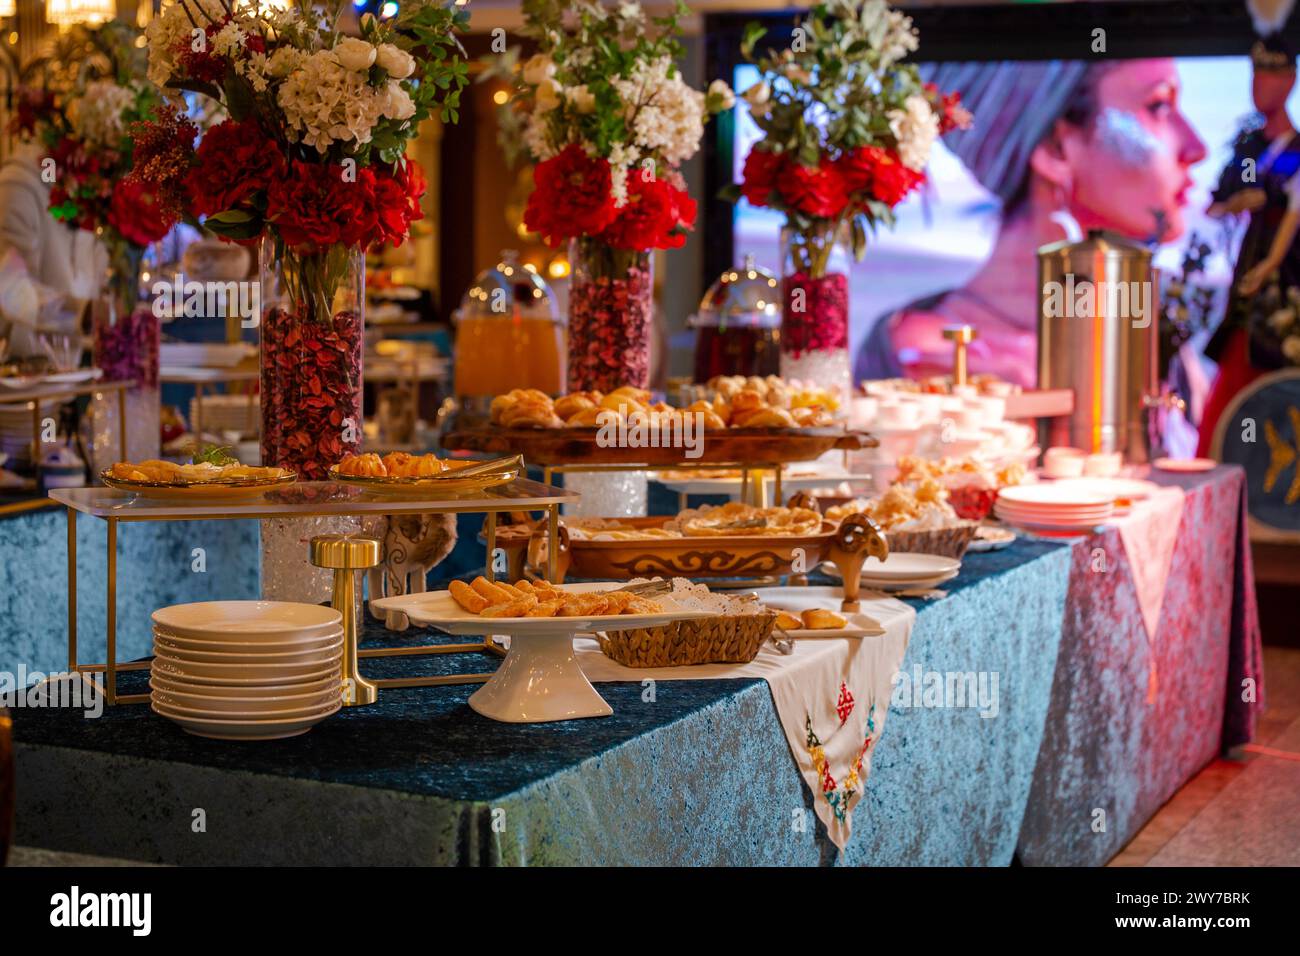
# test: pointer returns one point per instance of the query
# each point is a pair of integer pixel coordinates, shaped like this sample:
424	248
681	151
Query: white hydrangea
324	102
171	28
672	122
537	137
254	68
284	61
97	115
916	127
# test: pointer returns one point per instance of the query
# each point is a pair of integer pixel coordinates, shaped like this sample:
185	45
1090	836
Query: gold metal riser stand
111	666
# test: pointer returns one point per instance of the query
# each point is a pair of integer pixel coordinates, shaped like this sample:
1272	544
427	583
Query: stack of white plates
903	571
16	429
247	670
1059	506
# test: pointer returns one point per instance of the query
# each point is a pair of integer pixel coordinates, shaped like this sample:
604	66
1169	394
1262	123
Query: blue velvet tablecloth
700	774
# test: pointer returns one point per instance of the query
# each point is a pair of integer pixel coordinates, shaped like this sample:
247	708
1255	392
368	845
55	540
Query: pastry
816	619
369	465
788	622
515	607
467	597
569	405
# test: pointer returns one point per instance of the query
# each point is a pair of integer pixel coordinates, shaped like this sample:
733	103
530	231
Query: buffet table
700	770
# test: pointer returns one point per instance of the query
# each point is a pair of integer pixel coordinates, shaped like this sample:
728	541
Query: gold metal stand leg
111	662
121	420
490	534
346	555
72	590
552	543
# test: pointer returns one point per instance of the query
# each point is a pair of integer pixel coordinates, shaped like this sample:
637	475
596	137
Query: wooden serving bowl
723	556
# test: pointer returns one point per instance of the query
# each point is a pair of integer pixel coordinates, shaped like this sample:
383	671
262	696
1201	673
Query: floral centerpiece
309	163
604	112
847	131
85	130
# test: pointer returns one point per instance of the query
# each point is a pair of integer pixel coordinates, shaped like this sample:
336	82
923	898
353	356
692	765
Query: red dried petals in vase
311	391
816	315
127	349
609	330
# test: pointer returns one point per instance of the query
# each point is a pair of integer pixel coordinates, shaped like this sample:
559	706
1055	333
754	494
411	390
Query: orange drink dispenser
509	333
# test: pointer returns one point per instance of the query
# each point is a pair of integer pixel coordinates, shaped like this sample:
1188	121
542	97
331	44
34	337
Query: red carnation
316	205
762	175
233	161
879	174
571	196
657	215
815	190
136	214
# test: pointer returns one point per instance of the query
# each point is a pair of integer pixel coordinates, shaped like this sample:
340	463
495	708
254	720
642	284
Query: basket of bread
732	634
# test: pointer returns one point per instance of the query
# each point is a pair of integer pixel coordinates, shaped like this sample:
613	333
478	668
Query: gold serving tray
200	490
432	488
572	446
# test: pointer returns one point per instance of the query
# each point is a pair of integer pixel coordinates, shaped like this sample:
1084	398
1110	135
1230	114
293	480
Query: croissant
764	418
587	418
569	405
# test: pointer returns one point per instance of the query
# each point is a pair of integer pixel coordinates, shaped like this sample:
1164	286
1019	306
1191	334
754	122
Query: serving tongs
495	466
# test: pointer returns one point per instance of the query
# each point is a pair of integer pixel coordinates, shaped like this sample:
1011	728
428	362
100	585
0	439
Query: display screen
1134	146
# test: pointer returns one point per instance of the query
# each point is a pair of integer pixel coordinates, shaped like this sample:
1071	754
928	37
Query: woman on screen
1103	146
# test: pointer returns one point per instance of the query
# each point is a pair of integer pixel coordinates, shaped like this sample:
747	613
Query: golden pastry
816	619
569	405
368	465
516	607
788	622
467	597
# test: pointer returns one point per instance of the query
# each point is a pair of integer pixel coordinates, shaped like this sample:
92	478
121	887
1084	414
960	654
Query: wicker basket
729	639
951	542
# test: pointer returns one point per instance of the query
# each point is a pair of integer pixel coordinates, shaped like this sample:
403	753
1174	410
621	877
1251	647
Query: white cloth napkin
831	694
1148	532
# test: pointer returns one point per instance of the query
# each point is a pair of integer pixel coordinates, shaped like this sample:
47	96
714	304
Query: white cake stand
540	679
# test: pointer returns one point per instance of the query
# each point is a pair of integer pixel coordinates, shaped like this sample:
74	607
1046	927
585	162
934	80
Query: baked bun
816	619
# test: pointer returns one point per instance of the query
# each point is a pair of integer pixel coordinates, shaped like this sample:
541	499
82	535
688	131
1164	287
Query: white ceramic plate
1054	514
1134	489
1054	494
439	609
250	649
76	375
856	625
241	712
250	620
991	539
318	686
907	565
1185	464
195	672
246	729
286	705
893	584
318	656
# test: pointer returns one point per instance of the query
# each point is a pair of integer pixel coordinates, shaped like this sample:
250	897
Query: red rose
233	161
657	215
318	205
397	202
815	190
762	173
879	174
136	214
571	196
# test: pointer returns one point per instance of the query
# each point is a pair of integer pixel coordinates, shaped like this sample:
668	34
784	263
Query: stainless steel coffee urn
1097	335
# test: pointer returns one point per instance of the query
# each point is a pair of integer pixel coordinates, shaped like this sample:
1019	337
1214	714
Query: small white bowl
1103	464
1061	462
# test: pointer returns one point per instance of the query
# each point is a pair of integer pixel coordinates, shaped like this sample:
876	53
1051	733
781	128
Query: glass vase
125	335
815	308
611	316
312	325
